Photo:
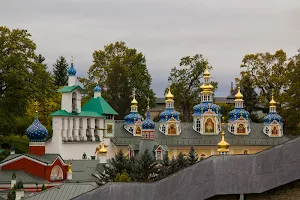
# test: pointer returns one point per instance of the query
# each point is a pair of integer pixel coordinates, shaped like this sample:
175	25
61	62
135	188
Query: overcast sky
164	31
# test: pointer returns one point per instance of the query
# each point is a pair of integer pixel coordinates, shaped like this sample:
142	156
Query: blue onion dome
168	114
132	117
272	117
71	70
36	131
97	88
148	123
205	106
238	113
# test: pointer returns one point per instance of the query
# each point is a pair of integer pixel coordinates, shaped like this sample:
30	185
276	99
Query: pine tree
145	167
182	161
43	187
193	156
123	177
164	169
60	71
12	194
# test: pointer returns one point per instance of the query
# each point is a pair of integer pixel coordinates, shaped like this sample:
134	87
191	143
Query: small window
232	128
198	125
267	130
130	129
158	155
163	129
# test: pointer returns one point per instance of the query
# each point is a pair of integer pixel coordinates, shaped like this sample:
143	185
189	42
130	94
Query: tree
145	167
123	177
164	169
182	161
185	83
115	165
192	156
60	72
225	109
119	69
12	194
291	96
43	187
22	77
267	73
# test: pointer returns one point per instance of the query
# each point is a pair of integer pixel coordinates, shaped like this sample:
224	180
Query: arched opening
198	125
56	173
74	102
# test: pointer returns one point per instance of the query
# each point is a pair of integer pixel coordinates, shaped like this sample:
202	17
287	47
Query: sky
223	31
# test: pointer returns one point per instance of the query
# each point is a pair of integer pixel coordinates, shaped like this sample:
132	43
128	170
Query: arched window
267	130
163	129
232	128
74	102
198	125
130	129
56	173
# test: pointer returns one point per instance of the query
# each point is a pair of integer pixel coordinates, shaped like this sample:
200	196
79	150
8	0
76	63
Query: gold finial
272	102
206	87
223	146
103	150
134	101
169	95
148	102
36	104
206	72
70	167
239	95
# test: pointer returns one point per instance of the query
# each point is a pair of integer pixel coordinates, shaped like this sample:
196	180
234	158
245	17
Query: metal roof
216	175
26	178
65	191
69	88
98	105
189	137
46	158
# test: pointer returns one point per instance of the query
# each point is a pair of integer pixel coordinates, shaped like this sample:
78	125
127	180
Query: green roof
21	175
98	105
69	88
61	113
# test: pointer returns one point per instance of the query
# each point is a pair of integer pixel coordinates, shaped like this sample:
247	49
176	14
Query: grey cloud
165	31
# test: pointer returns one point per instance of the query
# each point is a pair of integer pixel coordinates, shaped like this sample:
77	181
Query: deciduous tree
119	69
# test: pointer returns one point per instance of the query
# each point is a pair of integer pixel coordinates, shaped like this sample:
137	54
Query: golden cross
148	99
36	104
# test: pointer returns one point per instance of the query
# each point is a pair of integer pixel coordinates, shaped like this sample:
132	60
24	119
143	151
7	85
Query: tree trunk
186	113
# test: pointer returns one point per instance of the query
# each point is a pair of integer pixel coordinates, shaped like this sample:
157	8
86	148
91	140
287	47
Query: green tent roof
69	88
98	106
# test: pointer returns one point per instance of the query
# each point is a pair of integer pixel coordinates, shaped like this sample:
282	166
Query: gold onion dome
272	102
134	101
207	87
169	95
103	149
223	146
239	95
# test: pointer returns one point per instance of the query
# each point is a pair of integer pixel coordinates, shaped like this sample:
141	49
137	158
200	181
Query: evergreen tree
164	169
123	177
115	165
60	71
12	194
182	161
43	187
145	167
193	156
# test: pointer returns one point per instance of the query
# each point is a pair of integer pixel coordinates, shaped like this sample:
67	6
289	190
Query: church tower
273	122
169	118
133	121
239	121
36	134
207	115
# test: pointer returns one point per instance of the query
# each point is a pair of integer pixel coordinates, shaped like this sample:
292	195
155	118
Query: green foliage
145	167
19	185
192	156
185	84
267	73
60	72
116	165
119	69
291	111
12	194
225	109
18	61
156	118
20	144
43	187
123	177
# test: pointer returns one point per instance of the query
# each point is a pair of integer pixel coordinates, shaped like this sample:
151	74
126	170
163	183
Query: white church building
77	131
